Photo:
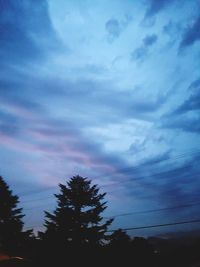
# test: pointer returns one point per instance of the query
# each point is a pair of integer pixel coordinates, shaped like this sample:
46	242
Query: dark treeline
75	233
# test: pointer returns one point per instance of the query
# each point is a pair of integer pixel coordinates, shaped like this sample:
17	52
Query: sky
109	90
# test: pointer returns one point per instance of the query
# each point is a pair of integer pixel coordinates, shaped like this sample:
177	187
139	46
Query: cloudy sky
109	90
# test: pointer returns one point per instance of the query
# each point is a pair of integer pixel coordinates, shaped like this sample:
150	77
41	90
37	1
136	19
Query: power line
128	181
173	171
135	212
154	210
150	211
122	169
167	159
143	227
131	180
156	225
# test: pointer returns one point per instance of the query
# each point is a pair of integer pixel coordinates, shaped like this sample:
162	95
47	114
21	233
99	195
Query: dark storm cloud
156	159
16	95
181	186
191	125
176	184
23	26
63	139
140	179
165	181
142	52
192	103
94	94
155	6
27	126
195	84
191	35
61	115
185	116
24	112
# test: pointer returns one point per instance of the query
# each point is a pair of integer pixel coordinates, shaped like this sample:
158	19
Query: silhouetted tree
119	248
143	250
10	219
120	238
77	219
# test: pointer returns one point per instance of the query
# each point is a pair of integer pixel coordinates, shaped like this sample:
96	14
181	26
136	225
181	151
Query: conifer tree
77	219
120	238
10	219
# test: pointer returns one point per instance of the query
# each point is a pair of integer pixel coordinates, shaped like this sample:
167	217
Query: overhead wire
144	226
130	181
28	193
157	225
159	174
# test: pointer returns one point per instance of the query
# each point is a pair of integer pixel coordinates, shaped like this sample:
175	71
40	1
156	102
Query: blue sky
106	89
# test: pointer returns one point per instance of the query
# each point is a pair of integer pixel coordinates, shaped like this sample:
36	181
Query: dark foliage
13	240
77	220
76	234
10	220
120	238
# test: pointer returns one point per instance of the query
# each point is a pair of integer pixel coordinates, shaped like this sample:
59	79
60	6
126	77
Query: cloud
113	28
94	95
165	181
191	35
195	84
185	117
142	52
156	159
26	31
190	125
40	134
173	29
149	40
129	104
181	186
192	103
8	124
156	6
63	114
172	184
37	132
139	54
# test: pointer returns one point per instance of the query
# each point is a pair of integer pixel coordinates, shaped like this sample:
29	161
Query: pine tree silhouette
10	219
77	219
120	238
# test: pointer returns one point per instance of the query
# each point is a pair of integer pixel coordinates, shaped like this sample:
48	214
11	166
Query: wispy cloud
142	52
67	109
155	6
113	28
191	34
185	116
22	36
